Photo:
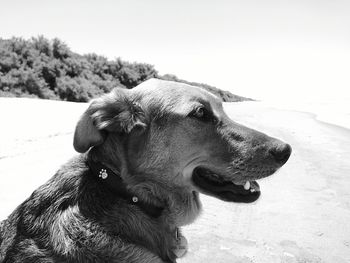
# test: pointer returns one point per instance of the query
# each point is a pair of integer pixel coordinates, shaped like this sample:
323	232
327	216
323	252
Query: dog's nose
281	153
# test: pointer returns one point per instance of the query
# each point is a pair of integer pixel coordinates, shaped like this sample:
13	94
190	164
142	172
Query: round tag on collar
180	247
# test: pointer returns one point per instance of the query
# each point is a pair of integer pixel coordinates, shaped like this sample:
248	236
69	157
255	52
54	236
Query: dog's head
178	135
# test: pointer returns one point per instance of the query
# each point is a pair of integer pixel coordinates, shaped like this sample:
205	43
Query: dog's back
2	238
25	236
69	219
8	233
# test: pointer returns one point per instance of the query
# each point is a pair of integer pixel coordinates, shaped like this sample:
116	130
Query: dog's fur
154	136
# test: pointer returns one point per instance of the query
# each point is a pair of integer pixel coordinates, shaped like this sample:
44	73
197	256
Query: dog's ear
86	133
115	112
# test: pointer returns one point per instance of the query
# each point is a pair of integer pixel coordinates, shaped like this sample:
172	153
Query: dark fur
84	219
145	135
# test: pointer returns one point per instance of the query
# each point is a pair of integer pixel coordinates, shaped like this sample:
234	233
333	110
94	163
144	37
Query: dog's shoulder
29	226
72	214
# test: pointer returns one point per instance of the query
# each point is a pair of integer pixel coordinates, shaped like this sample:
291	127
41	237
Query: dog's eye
198	113
203	114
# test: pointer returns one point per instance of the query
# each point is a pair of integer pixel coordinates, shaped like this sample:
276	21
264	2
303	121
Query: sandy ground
303	214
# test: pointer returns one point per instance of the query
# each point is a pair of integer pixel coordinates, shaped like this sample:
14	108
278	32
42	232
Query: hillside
48	69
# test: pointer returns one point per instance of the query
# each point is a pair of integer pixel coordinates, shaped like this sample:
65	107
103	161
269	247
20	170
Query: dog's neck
161	237
181	207
112	180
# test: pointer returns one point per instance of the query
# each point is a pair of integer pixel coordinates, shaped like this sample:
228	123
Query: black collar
115	183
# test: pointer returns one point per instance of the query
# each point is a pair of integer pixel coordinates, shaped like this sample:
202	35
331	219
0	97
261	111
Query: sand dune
303	214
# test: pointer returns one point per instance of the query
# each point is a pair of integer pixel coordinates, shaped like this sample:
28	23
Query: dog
145	155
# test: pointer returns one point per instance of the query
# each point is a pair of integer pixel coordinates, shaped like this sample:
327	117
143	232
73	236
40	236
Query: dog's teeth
252	190
247	185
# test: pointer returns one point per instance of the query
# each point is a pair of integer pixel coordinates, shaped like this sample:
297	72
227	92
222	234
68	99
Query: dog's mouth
215	185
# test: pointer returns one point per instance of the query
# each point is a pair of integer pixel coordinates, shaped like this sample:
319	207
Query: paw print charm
103	174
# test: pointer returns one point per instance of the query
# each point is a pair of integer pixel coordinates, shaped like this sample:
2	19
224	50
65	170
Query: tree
48	69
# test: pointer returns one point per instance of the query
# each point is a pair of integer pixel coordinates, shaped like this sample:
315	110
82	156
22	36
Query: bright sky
262	49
